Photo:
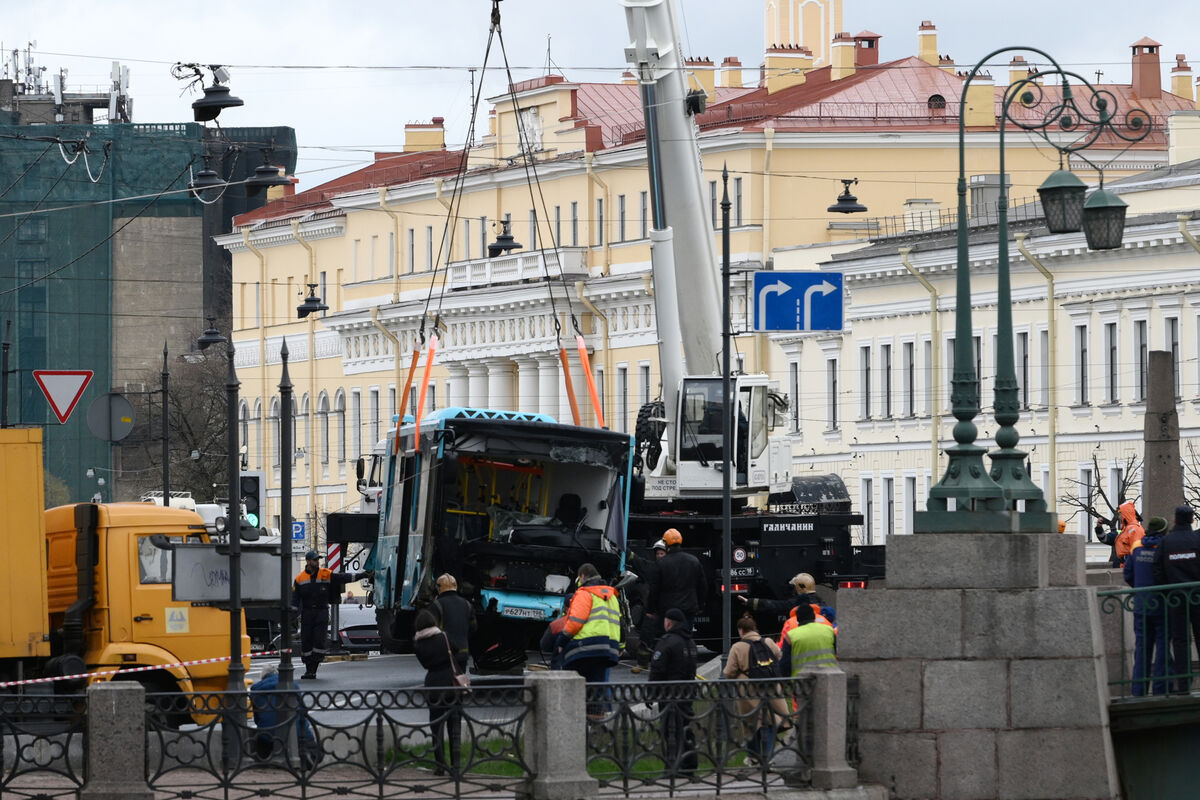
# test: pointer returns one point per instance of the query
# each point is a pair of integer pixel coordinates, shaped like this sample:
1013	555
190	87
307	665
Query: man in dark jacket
1177	560
804	593
312	592
675	660
648	621
456	616
1149	612
680	582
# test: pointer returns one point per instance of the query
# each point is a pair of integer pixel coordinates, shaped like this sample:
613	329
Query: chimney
703	75
1181	79
731	73
866	49
420	137
981	101
628	78
786	66
947	64
927	43
843	56
1147	74
1018	70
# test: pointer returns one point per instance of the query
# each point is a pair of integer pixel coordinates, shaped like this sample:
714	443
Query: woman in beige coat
743	664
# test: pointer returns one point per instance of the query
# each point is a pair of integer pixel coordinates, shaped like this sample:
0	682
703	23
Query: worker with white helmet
680	581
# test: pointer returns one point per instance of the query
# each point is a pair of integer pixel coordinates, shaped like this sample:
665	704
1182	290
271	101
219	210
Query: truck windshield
700	437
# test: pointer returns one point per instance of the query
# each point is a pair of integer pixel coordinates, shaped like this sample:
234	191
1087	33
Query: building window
428	247
483	237
885	379
936	103
831	393
391	403
794	388
599	221
324	291
1172	326
1044	355
889	508
927	345
374	400
432	397
645	222
323	422
643	384
910	503
864	382
868	509
599	376
371	257
558	226
1139	346
466	240
1081	365
623	399
1086	488
977	344
909	354
620	218
574	224
533	226
356	421
712	202
412	250
340	412
1111	387
412	401
737	201
1023	369
391	262
355	246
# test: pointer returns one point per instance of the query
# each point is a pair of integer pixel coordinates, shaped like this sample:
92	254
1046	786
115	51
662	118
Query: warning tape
131	670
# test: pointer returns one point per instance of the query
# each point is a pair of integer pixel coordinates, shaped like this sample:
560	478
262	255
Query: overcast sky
409	60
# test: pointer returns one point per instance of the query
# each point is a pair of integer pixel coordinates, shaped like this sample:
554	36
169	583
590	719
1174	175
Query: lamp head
311	304
846	202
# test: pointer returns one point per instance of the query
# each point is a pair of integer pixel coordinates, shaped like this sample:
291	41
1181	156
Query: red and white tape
131	670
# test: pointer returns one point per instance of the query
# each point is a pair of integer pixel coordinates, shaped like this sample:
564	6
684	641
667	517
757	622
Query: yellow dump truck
87	588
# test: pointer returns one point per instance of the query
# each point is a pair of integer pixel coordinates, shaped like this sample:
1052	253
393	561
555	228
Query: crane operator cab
759	463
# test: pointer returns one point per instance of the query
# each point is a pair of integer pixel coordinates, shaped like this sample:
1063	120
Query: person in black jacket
648	621
432	648
455	615
675	660
312	592
680	582
1177	560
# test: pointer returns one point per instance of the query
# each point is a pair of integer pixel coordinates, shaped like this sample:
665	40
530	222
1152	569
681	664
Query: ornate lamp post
1006	499
286	449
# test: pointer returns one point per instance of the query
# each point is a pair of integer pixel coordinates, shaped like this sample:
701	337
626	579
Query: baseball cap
311	554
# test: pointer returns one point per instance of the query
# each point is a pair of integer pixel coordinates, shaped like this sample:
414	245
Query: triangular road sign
63	388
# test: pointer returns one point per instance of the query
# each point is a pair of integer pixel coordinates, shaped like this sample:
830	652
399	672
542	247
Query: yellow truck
87	589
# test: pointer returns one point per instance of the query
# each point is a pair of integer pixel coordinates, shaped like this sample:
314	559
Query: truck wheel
648	432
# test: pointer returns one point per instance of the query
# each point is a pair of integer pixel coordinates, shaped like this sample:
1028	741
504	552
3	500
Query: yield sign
63	388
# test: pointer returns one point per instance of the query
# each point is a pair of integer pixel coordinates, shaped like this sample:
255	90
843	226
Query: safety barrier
1150	634
552	738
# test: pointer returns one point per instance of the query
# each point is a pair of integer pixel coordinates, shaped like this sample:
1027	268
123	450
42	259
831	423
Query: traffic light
252	497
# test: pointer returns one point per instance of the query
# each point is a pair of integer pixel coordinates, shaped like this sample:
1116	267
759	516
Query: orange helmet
672	537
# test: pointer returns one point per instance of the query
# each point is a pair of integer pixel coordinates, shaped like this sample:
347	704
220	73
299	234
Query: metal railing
1150	633
726	736
42	745
352	743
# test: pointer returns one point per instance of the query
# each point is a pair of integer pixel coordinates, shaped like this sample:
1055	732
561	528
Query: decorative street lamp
312	304
1104	219
1006	499
1062	201
846	202
286	449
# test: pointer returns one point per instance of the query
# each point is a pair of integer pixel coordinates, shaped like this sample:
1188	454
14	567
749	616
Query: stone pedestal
556	739
981	670
116	742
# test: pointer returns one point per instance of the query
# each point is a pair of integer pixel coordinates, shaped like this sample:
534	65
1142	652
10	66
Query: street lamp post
1005	498
286	449
166	375
727	411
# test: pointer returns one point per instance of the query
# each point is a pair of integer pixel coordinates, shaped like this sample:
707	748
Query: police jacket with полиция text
1177	559
675	657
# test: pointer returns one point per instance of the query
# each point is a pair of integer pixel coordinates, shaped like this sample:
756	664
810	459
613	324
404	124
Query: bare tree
1191	476
1092	500
196	431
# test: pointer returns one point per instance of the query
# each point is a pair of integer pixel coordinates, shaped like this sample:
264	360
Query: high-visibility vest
790	624
812	645
600	633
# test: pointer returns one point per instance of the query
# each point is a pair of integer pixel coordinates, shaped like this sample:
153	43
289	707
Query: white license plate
524	613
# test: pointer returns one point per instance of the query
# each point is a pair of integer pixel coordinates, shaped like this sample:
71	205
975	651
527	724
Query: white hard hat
659	545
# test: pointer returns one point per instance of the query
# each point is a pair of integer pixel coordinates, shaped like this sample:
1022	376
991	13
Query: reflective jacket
593	626
320	589
1131	530
809	645
790	624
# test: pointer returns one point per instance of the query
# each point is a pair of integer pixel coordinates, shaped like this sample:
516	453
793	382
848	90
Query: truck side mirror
360	469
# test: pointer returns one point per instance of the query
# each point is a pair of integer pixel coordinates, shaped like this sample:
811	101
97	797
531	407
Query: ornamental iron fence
1150	634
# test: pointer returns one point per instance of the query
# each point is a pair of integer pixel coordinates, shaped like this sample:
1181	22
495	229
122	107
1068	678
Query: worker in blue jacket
1149	612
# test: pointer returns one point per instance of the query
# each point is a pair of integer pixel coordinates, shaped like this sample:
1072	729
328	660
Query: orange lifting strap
433	343
566	368
412	368
591	381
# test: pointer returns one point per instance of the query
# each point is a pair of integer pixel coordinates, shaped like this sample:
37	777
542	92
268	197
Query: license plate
742	572
524	613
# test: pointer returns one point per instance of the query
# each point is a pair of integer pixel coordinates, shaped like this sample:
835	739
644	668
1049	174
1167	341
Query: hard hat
659	545
803	581
446	583
1062	526
311	555
672	537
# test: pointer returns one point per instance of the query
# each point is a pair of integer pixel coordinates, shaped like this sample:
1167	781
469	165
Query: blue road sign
797	301
297	530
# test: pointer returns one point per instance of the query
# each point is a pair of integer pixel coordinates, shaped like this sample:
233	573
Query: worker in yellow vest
809	644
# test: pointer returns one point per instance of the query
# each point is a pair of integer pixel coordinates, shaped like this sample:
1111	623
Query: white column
477	386
527	384
548	392
458	385
500	384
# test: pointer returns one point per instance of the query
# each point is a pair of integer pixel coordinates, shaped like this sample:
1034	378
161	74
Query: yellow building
399	249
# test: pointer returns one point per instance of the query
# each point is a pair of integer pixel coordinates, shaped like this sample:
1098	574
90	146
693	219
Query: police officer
1177	560
312	592
675	660
680	582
